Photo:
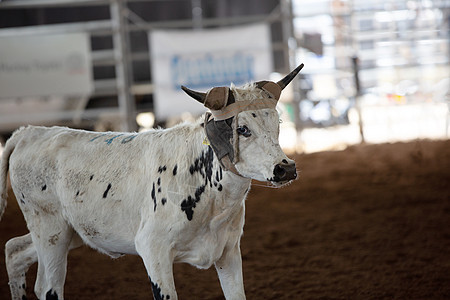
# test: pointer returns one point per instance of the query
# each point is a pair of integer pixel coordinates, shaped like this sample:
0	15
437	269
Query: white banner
202	59
45	65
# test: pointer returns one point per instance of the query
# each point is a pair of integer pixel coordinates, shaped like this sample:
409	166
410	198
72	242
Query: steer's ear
215	99
272	88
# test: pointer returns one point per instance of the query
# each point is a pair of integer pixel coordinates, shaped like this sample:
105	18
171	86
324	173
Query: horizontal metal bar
186	23
103	57
140	56
50	3
105	87
108	87
142	88
56	116
91	26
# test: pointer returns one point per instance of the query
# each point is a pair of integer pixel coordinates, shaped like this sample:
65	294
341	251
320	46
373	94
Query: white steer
174	195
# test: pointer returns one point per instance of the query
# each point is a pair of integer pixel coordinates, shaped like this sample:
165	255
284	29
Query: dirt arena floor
370	222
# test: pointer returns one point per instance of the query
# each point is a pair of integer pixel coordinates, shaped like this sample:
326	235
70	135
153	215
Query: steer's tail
4	167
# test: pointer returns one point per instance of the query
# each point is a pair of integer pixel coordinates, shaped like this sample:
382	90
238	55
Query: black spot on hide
254	115
78	192
219	174
157	295
22	199
105	194
188	207
200	190
44	187
159	181
92	177
190	203
174	172
154	197
162	169
51	295
204	166
218	179
24	297
163	201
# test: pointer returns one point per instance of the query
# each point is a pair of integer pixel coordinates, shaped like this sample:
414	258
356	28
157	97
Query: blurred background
375	70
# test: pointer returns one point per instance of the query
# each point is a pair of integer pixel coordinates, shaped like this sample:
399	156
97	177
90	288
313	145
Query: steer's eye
243	130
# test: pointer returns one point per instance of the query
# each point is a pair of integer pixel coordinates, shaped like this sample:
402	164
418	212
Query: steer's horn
199	96
288	78
215	99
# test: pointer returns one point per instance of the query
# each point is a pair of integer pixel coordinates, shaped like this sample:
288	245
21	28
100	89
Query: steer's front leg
229	269
159	264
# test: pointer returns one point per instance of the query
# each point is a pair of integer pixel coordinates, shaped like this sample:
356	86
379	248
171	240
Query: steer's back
82	177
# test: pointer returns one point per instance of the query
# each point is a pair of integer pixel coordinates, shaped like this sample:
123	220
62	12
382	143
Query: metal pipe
125	99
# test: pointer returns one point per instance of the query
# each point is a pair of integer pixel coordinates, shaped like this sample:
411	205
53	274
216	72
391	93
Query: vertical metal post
127	105
290	60
355	64
287	27
197	14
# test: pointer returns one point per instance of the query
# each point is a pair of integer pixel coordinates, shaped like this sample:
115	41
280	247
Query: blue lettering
108	141
208	71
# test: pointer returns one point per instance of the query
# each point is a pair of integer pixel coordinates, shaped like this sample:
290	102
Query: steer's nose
284	171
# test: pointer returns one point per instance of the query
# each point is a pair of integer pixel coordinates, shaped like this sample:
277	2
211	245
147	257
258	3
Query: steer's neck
227	185
183	160
223	197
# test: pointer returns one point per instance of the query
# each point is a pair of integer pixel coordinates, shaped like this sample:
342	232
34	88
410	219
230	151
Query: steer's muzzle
284	171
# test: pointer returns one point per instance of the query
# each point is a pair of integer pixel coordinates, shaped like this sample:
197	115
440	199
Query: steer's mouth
283	173
280	183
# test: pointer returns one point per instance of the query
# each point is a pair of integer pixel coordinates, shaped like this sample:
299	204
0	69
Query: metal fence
120	57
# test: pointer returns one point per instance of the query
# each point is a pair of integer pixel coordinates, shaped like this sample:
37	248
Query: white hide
160	194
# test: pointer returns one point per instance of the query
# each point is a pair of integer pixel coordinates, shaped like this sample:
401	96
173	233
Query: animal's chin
280	184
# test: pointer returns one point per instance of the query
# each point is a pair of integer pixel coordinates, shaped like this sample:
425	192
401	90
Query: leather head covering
221	123
220	133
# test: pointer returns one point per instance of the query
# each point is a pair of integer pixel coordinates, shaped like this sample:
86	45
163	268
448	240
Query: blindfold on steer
221	123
